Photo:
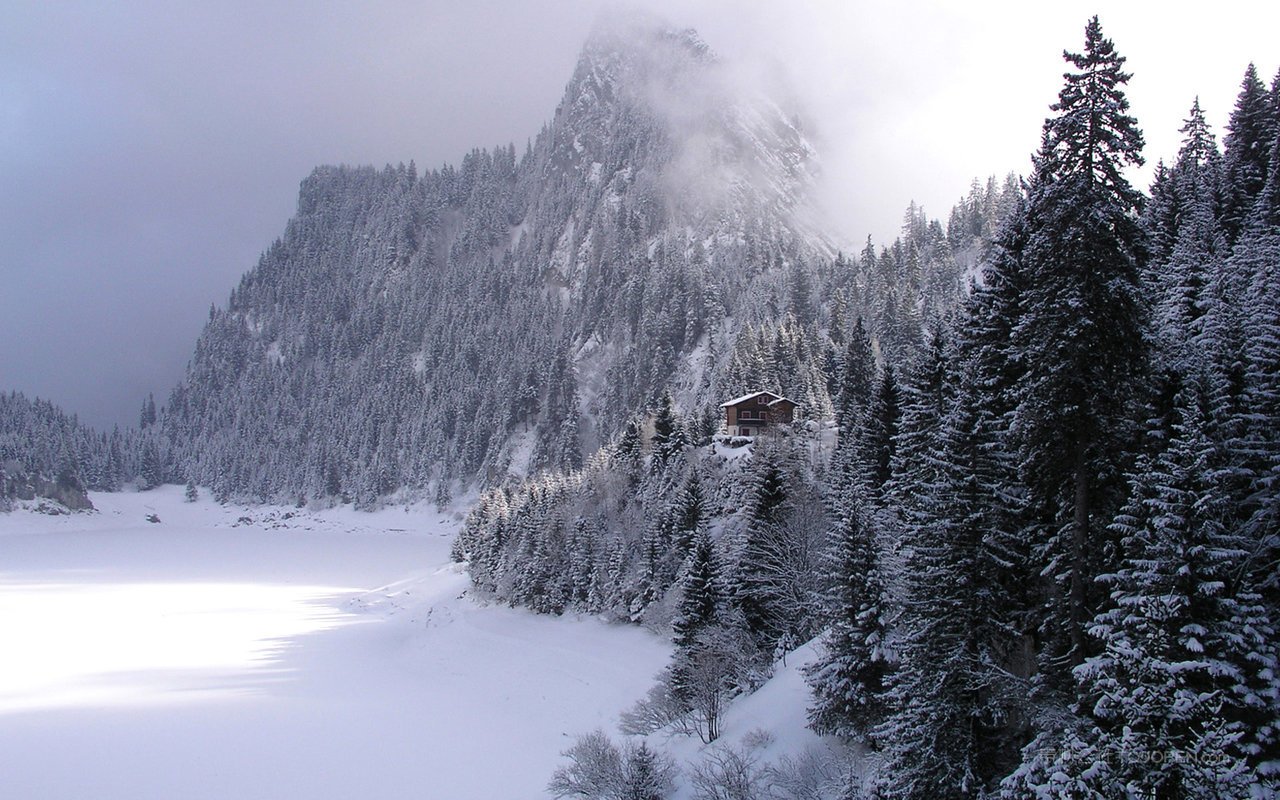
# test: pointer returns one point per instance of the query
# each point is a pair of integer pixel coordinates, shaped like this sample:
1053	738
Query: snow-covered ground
271	653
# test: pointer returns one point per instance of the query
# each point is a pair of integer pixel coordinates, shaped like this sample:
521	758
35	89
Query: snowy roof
776	399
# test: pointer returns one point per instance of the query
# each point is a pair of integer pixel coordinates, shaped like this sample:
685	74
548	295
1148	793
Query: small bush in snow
730	773
599	770
659	709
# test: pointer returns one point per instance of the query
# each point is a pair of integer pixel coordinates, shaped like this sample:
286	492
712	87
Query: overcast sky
149	152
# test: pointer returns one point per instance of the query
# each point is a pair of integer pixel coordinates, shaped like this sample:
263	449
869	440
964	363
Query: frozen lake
243	653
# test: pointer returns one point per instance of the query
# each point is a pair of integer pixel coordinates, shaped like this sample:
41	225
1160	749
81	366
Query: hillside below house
755	413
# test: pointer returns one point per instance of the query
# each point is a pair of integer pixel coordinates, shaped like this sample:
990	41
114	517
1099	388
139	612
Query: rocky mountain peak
649	97
634	45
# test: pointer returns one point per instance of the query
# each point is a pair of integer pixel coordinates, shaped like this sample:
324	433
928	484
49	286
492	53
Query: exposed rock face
66	490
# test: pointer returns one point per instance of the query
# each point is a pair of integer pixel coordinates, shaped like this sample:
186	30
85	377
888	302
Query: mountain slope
511	313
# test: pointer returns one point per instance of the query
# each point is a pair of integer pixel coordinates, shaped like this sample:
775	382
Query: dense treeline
46	452
732	545
1085	600
602	529
1049	520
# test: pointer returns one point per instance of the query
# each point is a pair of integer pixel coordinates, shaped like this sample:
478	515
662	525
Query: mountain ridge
640	225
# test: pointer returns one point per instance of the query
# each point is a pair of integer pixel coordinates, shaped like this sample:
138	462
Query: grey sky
149	151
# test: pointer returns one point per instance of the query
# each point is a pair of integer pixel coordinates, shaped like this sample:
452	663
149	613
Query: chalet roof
776	399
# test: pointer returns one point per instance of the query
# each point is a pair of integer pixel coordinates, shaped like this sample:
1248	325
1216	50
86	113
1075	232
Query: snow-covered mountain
513	312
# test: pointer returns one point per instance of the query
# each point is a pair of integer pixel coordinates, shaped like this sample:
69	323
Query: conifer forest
1027	512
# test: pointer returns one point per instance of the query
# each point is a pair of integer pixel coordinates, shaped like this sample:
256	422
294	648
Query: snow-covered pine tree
1191	247
848	681
1184	697
648	585
927	395
924	399
1160	216
957	707
700	672
1258	448
1174	189
700	593
668	434
1250	134
147	416
580	552
876	442
151	470
1081	337
688	515
1196	239
1267	210
994	309
756	581
1223	339
646	775
989	371
852	399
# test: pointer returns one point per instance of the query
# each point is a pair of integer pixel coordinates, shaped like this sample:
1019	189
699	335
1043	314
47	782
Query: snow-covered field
226	652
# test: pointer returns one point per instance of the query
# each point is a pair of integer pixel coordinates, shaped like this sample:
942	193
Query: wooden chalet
752	414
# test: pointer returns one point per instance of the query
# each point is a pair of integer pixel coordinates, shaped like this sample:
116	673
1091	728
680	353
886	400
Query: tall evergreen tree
688	515
699	593
1258	443
855	379
925	398
1250	134
147	416
668	433
1196	246
957	705
852	399
848	682
758	589
1267	209
1081	337
876	443
1160	215
994	309
1187	671
697	621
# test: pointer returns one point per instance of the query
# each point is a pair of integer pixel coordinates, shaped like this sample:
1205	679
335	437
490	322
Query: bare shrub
599	770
